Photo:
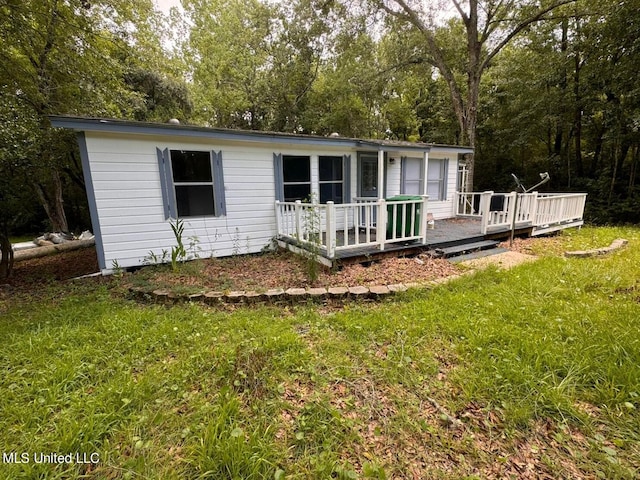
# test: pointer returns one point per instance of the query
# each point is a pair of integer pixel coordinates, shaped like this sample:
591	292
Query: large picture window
331	179
296	175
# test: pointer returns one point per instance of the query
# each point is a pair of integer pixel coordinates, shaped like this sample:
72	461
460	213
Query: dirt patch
32	274
502	261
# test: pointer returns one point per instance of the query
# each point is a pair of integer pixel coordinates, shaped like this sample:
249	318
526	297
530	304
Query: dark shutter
218	184
346	176
166	183
278	180
445	175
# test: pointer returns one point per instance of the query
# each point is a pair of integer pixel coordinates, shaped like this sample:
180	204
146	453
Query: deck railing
543	212
334	227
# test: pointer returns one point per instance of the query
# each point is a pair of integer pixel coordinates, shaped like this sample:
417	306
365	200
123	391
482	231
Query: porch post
298	213
425	169
380	174
381	227
423	218
331	230
278	219
485	207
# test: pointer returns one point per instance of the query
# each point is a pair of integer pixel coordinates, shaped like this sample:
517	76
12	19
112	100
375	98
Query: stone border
615	245
278	295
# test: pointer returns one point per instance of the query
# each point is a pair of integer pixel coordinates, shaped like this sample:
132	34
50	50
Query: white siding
126	182
394	171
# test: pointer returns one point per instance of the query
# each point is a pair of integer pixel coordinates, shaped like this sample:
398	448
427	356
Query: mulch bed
286	270
248	272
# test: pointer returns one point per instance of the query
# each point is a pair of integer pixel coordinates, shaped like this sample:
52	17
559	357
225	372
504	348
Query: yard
528	373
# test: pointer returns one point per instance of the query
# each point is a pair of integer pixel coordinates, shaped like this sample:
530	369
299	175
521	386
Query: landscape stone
338	292
379	291
359	291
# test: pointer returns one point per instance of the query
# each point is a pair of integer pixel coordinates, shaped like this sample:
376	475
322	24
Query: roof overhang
89	124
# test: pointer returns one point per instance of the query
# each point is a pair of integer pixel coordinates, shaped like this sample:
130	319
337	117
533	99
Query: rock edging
277	295
615	245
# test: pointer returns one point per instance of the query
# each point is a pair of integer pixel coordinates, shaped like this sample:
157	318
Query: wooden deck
446	233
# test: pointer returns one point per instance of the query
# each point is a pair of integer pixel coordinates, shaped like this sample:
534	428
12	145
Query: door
368	175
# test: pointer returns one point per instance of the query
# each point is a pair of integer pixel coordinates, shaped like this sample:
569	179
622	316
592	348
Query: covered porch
371	227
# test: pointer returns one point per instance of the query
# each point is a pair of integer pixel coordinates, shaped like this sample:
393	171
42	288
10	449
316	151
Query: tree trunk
53	204
6	262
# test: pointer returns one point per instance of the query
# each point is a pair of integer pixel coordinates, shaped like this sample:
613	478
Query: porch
374	227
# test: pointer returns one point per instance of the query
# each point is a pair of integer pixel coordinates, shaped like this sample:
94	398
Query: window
296	175
412	176
292	177
331	179
192	183
437	179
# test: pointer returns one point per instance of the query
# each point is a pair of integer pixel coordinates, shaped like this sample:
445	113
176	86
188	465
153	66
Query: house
236	191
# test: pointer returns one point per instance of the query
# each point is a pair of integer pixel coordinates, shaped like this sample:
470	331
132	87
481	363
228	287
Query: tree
489	26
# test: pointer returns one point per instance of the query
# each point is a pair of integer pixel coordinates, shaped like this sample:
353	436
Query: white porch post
423	219
381	230
380	174
278	220
298	216
425	167
331	230
485	207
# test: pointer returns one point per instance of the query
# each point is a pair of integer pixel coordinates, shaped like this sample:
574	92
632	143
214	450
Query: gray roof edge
147	128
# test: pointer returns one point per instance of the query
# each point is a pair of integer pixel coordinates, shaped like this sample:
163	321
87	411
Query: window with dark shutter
296	176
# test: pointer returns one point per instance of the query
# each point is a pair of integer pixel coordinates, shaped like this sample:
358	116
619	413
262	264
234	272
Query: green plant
118	271
313	236
180	253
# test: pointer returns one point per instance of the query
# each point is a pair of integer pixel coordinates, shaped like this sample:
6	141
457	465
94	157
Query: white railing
367	211
554	209
335	227
468	204
543	212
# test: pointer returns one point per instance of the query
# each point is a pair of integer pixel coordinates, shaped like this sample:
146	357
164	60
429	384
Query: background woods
534	86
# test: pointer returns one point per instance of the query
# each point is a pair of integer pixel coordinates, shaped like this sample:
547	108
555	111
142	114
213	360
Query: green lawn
541	365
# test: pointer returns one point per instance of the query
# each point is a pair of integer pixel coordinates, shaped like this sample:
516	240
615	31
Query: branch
465	17
521	26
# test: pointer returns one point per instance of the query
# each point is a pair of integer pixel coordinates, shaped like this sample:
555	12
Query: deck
446	233
349	233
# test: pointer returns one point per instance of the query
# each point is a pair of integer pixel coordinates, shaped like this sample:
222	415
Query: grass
541	364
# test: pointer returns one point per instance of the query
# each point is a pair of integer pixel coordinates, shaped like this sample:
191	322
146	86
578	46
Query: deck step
477	254
465	248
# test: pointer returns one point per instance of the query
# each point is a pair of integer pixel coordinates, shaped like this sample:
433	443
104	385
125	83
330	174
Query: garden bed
284	270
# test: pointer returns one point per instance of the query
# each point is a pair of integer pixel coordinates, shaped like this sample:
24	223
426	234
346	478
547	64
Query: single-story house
236	191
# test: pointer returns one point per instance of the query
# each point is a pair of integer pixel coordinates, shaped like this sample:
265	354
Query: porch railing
336	227
543	212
